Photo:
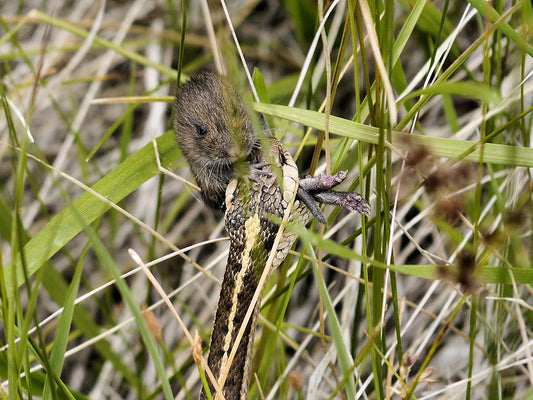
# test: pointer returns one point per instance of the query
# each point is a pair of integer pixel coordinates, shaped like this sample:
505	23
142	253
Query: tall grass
428	105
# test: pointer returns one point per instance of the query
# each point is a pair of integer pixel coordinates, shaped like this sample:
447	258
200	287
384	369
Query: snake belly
252	235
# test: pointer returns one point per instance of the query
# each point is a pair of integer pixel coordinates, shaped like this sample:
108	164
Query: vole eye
201	130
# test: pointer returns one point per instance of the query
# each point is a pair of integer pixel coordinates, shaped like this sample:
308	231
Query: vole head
214	132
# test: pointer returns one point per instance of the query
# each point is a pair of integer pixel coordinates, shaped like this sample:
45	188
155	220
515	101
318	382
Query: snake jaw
230	190
290	180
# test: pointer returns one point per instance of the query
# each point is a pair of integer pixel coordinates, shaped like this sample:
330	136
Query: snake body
249	209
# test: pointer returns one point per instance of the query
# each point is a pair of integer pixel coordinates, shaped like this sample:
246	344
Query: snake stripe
252	230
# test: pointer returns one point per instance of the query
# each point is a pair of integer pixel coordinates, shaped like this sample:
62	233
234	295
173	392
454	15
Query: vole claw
349	201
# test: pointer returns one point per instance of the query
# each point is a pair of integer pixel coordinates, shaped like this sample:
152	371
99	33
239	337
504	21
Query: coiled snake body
215	134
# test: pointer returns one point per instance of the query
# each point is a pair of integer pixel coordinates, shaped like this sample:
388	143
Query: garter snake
215	134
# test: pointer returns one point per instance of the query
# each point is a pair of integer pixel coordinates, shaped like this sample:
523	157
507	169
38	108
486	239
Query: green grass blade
57	355
472	90
407	29
116	185
61	24
147	337
343	352
488	12
483	274
439	147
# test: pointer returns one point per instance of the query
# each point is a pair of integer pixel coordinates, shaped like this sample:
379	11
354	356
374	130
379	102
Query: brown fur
214	132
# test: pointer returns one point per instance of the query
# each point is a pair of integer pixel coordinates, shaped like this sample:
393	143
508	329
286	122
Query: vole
214	132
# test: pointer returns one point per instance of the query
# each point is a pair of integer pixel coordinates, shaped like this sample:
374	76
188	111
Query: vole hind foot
322	182
349	201
305	197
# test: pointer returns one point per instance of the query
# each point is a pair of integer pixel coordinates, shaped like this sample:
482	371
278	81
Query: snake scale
236	175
